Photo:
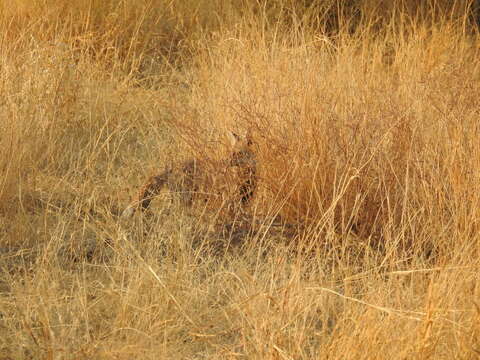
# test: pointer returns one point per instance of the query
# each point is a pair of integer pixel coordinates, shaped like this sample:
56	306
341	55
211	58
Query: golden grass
362	240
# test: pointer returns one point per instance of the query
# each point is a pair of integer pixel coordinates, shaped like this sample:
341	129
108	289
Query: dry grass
362	240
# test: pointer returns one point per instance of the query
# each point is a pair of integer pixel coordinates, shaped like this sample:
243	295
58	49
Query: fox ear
248	138
234	138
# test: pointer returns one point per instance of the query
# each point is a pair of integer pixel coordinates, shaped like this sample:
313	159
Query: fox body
233	178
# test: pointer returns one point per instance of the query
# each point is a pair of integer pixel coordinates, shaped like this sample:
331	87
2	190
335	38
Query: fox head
242	154
244	159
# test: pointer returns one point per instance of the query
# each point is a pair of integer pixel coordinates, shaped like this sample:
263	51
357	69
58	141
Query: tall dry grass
362	238
357	133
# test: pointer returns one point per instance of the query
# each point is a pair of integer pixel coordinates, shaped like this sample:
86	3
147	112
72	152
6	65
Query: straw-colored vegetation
362	238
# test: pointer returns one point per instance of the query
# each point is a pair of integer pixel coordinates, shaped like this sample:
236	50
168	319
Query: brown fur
235	178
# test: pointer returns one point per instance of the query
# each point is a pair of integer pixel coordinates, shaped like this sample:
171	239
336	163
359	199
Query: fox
197	178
